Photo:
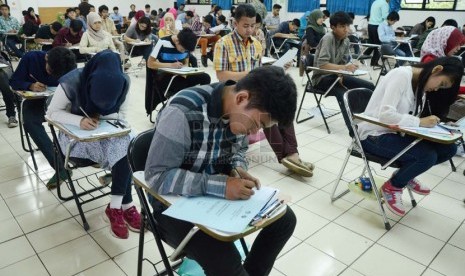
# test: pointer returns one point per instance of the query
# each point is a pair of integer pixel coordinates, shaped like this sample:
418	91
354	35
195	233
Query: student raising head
399	99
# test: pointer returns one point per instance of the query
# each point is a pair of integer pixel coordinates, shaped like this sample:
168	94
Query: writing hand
241	173
237	188
429	121
351	67
88	124
38	87
177	65
68	44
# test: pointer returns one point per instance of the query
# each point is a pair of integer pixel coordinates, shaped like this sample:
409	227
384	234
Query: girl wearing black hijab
100	90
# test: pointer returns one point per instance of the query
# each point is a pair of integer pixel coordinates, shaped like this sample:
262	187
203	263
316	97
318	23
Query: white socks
116	201
127	206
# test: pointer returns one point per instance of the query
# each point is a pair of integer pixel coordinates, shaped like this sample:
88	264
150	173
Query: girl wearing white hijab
95	39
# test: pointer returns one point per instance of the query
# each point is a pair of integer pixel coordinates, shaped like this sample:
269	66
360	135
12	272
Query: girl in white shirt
99	90
95	39
399	99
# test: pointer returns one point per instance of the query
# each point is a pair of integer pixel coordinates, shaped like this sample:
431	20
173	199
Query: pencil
88	117
30	75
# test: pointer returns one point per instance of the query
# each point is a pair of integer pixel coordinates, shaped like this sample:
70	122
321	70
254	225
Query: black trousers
373	38
219	258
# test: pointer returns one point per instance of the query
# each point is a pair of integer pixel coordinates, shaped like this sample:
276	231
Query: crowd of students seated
248	97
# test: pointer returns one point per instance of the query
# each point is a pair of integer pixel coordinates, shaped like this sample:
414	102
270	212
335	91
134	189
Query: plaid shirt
232	55
197	26
193	149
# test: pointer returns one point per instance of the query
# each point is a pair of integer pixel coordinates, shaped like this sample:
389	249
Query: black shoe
210	55
204	60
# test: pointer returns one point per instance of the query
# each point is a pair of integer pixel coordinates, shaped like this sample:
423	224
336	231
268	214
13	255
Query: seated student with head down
285	30
422	27
176	164
70	36
173	52
95	39
387	35
36	71
442	42
399	99
46	34
100	89
424	35
332	53
259	34
233	60
138	32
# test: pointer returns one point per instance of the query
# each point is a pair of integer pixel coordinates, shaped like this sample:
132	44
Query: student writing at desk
230	65
100	90
173	52
8	97
200	139
387	36
332	53
399	99
35	72
285	31
46	34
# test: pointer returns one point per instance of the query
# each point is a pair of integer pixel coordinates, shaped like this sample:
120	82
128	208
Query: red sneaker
415	186
393	198
132	218
115	218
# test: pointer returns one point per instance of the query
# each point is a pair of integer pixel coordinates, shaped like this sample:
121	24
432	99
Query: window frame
425	2
189	2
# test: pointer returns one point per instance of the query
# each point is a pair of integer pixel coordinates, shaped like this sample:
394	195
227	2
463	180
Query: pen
88	117
445	128
429	108
272	208
113	124
30	75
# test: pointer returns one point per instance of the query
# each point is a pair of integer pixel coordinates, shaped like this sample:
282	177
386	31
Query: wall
407	17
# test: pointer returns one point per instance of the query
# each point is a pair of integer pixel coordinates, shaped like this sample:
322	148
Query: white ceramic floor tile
375	260
20	185
106	268
430	223
9	229
429	179
42	217
320	203
311	262
28	266
293	188
430	272
10	158
411	243
340	243
14	171
55	234
458	239
114	246
350	272
266	175
127	260
31	201
14	251
307	222
451	188
320	178
450	261
363	222
444	205
4	211
75	256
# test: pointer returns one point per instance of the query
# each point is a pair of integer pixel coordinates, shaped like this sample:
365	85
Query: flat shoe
298	168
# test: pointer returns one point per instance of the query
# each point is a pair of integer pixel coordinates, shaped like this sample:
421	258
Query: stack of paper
232	216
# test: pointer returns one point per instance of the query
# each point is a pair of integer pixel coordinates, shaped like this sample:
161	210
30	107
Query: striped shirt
232	55
165	51
193	149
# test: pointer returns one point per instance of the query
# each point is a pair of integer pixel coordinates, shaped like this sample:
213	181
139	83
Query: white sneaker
12	122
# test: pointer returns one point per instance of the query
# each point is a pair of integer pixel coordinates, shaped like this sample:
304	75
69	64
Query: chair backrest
138	150
387	50
356	101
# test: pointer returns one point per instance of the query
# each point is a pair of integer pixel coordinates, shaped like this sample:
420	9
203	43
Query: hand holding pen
239	188
37	86
88	123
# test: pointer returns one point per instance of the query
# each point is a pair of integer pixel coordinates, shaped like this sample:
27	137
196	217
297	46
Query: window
199	2
433	4
237	2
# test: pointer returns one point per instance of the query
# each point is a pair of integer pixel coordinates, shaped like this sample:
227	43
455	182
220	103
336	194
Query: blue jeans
11	42
415	161
8	96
